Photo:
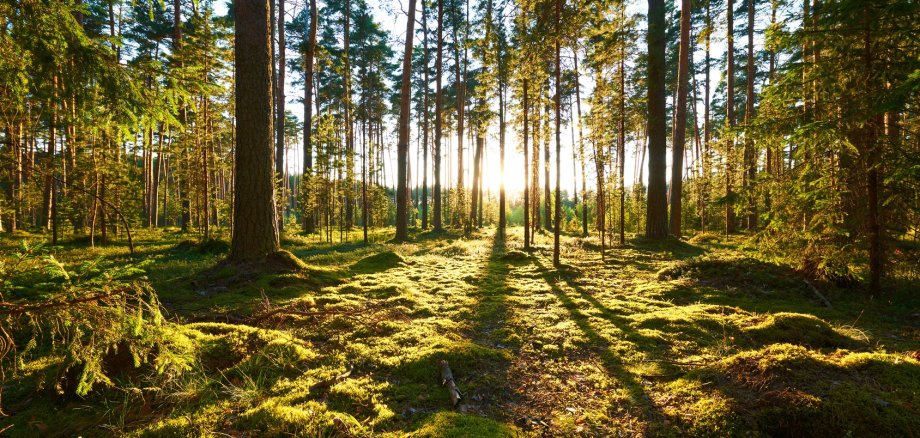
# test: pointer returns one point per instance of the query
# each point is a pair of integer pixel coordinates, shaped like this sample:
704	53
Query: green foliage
98	321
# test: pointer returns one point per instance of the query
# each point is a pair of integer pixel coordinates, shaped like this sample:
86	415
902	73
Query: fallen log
447	379
818	294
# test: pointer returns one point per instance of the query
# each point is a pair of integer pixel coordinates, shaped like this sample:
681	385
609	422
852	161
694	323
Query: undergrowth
677	338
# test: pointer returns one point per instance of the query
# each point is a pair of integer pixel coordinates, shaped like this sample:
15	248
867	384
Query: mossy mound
379	262
798	329
516	256
453	424
788	390
705	237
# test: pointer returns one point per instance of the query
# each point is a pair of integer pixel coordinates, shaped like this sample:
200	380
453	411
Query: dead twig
323	385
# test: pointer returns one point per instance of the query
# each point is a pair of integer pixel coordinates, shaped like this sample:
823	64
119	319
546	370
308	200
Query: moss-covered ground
657	339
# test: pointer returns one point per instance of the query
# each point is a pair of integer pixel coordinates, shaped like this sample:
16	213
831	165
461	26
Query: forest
459	218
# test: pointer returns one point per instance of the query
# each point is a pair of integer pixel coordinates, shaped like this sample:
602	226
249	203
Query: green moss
454	425
799	329
378	262
658	339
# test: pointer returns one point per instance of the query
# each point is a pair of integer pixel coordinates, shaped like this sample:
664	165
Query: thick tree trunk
680	120
657	205
402	160
255	226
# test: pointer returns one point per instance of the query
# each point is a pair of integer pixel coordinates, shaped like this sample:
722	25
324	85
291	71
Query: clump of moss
788	390
798	329
705	237
214	246
453	424
379	262
516	256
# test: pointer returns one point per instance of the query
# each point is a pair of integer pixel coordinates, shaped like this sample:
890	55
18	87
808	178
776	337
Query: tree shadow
614	365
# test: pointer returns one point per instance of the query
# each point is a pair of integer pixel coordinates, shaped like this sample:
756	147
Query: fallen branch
323	385
447	379
16	309
289	311
674	362
827	302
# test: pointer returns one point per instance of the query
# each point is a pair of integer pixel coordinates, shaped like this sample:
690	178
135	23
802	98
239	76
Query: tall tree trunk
872	151
581	146
308	217
255	226
558	207
657	206
750	157
730	118
349	134
501	131
707	133
438	123
474	204
622	145
402	160
424	168
680	120
461	105
279	115
526	112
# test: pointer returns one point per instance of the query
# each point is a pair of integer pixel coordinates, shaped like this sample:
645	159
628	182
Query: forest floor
697	337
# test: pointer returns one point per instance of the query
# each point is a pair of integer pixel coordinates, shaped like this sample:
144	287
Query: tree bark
255	226
526	111
279	115
308	222
402	146
750	155
557	223
730	118
424	168
680	120
657	205
438	123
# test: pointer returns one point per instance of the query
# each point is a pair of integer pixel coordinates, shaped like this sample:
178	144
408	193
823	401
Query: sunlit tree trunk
438	122
558	98
255	226
308	216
